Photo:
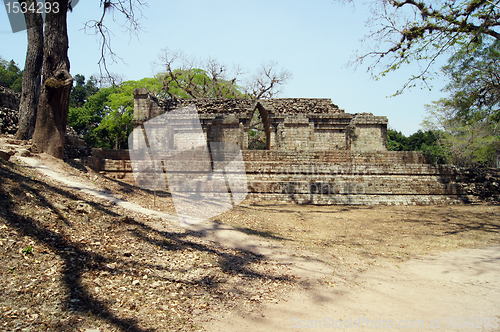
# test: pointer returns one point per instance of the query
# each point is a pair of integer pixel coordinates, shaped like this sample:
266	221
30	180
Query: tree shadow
230	263
486	222
76	259
266	235
128	188
79	259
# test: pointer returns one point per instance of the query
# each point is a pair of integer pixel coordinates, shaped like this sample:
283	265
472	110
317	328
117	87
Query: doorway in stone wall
258	132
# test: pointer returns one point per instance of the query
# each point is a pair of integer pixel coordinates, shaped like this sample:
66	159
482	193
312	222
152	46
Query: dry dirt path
424	294
420	295
73	182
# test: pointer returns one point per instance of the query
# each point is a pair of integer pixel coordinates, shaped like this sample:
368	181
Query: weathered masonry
290	124
315	153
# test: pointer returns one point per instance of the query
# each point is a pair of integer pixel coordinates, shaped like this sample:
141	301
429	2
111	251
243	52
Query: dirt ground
378	264
73	261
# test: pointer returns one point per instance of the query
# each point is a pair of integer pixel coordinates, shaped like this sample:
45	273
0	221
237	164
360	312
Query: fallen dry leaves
95	266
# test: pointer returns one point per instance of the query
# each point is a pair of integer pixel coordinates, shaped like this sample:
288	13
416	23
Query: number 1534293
34	7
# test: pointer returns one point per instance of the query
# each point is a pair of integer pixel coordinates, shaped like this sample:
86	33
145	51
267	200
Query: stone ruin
290	124
315	153
9	109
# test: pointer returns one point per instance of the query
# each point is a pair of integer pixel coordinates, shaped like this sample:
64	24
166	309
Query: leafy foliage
427	142
104	116
185	79
116	125
82	90
105	119
475	83
87	118
470	116
396	141
10	75
196	83
421	31
469	142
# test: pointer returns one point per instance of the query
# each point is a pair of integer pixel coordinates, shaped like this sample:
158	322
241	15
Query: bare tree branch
191	78
421	31
131	11
266	83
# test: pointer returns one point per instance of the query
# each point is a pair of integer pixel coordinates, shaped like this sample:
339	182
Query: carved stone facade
290	124
316	154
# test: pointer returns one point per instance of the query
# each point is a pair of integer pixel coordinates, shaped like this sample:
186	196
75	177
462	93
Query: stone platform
336	177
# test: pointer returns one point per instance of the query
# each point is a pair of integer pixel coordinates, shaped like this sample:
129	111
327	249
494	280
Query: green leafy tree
10	75
105	119
115	128
474	83
396	141
470	116
116	124
426	142
87	118
186	79
469	142
82	90
196	83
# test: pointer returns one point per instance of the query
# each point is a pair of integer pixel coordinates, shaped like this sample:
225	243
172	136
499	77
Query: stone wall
290	124
368	133
481	182
316	154
346	177
9	110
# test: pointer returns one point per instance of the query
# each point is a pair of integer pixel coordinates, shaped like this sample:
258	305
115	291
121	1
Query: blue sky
313	40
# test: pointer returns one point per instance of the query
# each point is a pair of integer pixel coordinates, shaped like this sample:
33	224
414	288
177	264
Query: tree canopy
421	31
104	119
426	141
82	90
469	116
467	32
104	116
10	75
475	83
196	83
186	78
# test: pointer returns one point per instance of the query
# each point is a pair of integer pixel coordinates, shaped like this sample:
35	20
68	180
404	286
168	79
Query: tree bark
57	82
32	74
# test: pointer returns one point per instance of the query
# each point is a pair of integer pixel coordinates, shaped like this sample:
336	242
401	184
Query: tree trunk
32	74
57	82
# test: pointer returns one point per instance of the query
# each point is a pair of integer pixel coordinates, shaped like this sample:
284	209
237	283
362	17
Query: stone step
277	168
317	199
386	186
383	185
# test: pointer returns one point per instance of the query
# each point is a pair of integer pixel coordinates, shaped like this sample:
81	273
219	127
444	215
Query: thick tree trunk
57	82
32	74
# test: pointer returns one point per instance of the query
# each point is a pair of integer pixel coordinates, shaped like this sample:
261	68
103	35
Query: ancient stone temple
313	153
290	124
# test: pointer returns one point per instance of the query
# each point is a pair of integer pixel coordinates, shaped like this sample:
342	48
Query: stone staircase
337	177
